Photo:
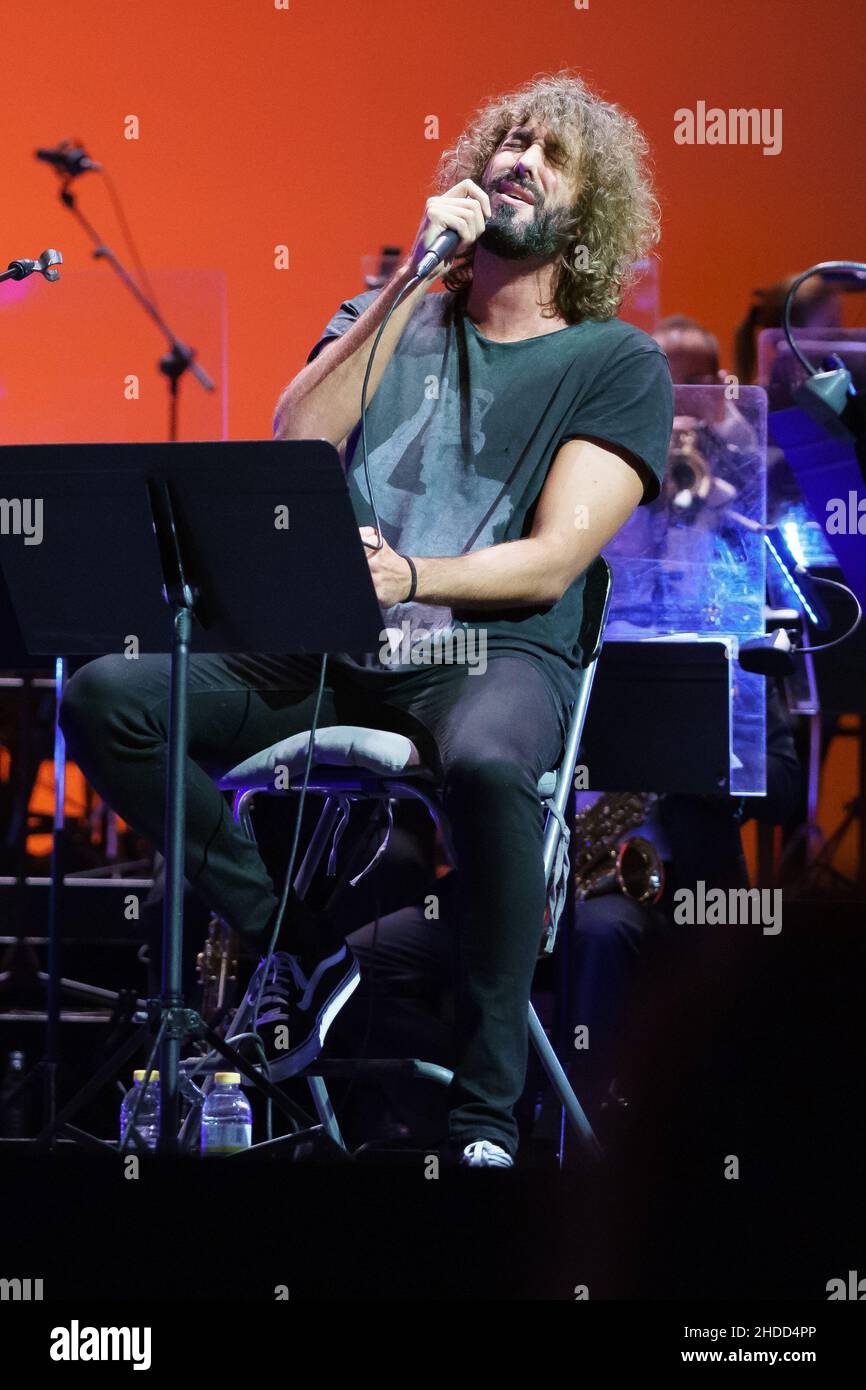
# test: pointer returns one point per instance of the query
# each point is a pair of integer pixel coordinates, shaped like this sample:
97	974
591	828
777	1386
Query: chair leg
243	806
325	1110
333	808
563	1088
315	851
435	809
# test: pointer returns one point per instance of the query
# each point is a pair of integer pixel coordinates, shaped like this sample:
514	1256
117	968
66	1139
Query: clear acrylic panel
781	373
640	304
79	358
689	567
688	562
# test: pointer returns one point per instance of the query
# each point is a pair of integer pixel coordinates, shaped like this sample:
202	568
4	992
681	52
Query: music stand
215	531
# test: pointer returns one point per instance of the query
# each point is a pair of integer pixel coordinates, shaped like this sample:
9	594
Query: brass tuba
606	859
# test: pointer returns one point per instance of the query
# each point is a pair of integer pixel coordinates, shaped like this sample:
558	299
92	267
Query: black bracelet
414	585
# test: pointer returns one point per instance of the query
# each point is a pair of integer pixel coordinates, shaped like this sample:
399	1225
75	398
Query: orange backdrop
305	126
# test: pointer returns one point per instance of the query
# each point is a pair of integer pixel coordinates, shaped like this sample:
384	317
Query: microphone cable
252	1033
406	290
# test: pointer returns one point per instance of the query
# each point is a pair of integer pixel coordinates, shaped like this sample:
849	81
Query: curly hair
615	213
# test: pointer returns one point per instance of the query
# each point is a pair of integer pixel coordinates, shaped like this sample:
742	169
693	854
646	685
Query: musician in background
696	838
692	351
817	305
693	357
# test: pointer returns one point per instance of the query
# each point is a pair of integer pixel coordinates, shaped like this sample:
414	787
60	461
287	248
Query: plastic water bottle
147	1119
14	1113
227	1117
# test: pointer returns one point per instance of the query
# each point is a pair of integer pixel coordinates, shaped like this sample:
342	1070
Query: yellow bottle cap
227	1078
142	1072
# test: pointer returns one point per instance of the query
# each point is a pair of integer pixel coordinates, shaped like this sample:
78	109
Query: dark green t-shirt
461	434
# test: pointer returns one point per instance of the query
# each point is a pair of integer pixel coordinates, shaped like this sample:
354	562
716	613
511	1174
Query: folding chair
353	764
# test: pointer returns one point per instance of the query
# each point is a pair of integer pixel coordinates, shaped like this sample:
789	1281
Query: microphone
444	246
20	269
441	250
772	655
68	159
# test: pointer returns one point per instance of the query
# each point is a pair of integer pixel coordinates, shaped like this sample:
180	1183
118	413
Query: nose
527	165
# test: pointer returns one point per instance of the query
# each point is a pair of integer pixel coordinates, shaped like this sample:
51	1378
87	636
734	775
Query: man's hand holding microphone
451	225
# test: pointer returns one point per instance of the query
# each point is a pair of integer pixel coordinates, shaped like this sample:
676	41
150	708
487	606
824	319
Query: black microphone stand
46	266
179	357
173	365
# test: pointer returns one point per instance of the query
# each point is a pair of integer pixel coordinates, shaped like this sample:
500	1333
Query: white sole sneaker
483	1153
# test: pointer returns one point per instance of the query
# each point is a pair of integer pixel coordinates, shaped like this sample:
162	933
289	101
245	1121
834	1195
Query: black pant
490	734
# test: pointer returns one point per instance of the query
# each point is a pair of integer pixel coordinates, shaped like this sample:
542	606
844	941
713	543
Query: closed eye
554	153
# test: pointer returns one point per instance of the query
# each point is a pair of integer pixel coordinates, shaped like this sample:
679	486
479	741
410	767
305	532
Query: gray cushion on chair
340	745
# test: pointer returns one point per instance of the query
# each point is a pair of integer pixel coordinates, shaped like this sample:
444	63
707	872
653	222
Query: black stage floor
755	1052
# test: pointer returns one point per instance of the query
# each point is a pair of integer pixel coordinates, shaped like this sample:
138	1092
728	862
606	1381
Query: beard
514	238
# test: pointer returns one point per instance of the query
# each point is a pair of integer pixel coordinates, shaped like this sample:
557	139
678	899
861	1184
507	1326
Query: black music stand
216	531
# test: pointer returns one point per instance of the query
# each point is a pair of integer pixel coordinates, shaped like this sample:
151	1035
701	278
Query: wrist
413	580
407	272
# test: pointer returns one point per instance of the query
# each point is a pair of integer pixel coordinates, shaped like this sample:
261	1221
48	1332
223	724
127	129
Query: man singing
514	424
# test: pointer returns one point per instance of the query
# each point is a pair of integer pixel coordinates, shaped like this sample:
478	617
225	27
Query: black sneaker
296	1010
